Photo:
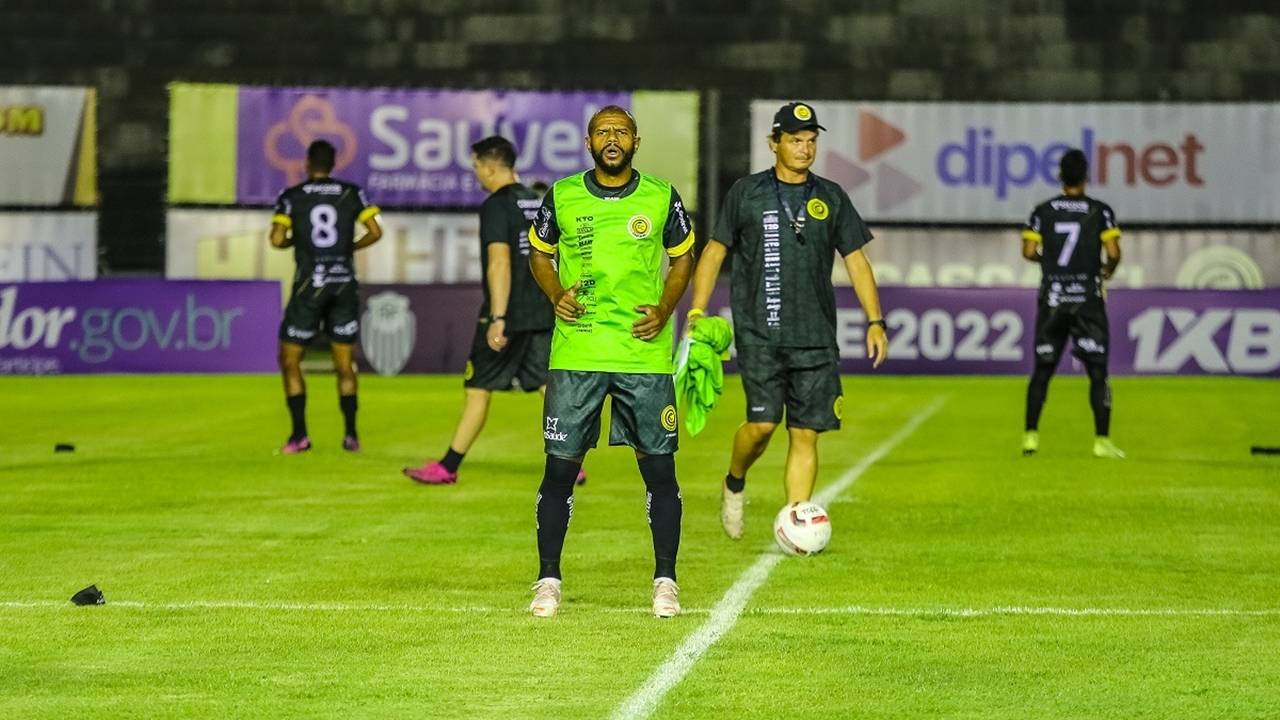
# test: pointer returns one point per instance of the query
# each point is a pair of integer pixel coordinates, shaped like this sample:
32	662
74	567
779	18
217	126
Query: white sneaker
665	602
732	517
546	598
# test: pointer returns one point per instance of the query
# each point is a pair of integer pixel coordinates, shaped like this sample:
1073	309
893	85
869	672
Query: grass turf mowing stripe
951	612
725	613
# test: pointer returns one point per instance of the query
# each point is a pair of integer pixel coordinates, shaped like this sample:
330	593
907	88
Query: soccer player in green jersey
1067	236
317	218
783	227
608	231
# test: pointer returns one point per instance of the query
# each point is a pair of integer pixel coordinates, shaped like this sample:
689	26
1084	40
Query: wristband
496	318
694	314
879	322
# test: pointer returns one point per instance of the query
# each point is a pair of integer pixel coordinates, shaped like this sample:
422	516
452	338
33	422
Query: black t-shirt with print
505	218
781	280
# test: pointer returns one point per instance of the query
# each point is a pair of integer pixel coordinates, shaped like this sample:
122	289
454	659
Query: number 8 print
324	229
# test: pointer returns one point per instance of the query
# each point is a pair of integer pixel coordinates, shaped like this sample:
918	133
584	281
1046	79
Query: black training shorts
333	306
523	361
644	412
805	382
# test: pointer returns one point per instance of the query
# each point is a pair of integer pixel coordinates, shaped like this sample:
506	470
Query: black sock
1037	391
298	414
735	484
452	459
665	507
1099	398
348	405
554	508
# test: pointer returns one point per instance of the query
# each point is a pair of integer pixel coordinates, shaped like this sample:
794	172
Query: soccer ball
802	529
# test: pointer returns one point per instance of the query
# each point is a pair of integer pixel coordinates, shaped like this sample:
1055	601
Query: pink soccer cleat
433	473
293	447
351	444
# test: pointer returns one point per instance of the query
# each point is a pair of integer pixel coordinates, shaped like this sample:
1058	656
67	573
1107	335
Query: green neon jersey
610	243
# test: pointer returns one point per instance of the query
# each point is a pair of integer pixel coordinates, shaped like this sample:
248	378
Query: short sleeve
493	221
544	234
727	222
677	234
851	232
367	209
1110	227
283	214
1031	231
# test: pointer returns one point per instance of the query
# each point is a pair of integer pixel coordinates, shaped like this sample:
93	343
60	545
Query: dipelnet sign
991	162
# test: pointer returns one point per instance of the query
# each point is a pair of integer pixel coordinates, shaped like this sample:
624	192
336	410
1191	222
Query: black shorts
803	381
522	363
1084	323
335	307
644	412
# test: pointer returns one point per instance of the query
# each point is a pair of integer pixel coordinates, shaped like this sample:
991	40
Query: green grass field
963	581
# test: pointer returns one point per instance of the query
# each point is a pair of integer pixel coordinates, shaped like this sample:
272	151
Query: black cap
795	116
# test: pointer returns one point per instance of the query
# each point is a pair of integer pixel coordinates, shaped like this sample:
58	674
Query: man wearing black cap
783	227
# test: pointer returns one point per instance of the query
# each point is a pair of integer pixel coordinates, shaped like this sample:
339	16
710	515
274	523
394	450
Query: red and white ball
802	529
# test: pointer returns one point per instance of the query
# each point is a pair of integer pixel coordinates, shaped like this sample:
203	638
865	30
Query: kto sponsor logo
95	334
983	160
1218	340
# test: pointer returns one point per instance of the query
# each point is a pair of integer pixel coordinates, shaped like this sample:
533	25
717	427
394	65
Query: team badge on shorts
470	372
802	112
639	226
818	210
838	407
669	418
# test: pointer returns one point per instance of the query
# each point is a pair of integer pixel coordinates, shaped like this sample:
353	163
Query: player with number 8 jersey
318	219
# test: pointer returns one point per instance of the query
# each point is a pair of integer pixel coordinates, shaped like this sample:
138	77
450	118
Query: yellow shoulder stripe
282	219
537	243
368	213
1111	233
682	248
1032	235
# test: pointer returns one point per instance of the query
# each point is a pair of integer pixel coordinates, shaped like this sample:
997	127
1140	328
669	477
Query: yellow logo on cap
639	226
803	112
669	418
818	210
838	408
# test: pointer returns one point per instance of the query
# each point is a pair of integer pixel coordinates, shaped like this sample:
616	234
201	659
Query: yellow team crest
818	210
669	418
639	226
802	112
838	407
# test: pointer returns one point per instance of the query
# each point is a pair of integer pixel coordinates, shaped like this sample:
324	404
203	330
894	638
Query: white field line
864	610
724	614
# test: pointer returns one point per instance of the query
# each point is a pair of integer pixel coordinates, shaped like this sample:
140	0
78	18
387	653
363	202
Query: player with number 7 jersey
318	219
1068	236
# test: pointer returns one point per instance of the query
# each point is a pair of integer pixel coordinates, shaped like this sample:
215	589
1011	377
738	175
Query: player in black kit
512	342
1068	236
317	218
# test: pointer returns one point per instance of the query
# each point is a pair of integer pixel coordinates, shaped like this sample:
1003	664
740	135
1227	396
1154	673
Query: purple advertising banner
946	331
138	326
407	147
